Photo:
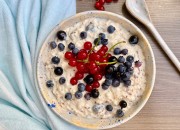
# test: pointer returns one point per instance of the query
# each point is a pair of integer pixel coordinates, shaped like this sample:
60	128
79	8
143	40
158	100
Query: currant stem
113	47
106	63
84	61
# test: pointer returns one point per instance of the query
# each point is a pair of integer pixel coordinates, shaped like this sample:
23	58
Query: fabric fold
24	25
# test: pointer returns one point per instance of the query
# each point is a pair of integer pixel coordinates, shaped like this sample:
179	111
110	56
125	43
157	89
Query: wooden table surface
162	111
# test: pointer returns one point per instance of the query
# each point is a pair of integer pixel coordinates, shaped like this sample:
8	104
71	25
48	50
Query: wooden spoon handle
164	46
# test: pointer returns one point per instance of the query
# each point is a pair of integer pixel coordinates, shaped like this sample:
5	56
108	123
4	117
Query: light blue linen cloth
24	25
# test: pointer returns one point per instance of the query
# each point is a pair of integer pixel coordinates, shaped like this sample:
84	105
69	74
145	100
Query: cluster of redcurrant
99	5
91	62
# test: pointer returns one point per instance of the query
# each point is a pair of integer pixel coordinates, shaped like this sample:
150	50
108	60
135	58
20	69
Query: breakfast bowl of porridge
96	70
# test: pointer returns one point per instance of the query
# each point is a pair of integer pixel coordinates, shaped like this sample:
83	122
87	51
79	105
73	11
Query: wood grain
162	111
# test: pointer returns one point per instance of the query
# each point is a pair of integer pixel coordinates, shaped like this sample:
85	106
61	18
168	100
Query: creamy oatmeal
95	107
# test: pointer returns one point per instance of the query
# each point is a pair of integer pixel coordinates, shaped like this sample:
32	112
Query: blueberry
83	35
130	70
109	108
108	82
133	39
55	60
117	51
71	46
68	96
49	83
61	47
105	86
127	83
53	45
115	83
124	51
62	80
119	113
97	41
112	59
111	29
90	27
117	75
81	87
95	93
96	108
78	95
130	58
123	104
104	41
75	51
108	76
121	59
87	96
89	79
126	76
53	105
58	71
121	68
110	69
128	64
61	35
102	36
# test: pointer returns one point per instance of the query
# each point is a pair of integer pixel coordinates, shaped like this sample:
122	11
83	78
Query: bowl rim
148	45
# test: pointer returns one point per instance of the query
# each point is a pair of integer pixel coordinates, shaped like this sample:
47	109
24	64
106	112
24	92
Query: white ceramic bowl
150	72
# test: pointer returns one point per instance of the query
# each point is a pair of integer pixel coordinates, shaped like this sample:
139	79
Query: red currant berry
79	75
82	54
95	84
98	76
104	48
89	88
115	0
72	62
92	65
99	68
80	67
87	45
97	5
73	81
101	52
108	55
68	55
103	69
109	1
86	70
92	56
102	2
101	8
94	70
97	57
103	60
